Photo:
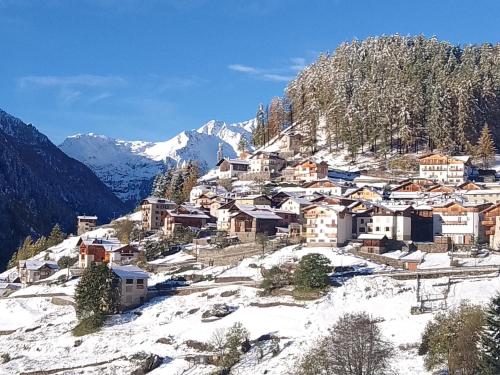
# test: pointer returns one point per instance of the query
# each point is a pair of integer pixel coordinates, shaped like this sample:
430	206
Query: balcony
488	223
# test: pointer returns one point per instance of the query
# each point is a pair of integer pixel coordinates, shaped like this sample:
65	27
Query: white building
392	221
133	285
327	225
295	204
445	169
460	222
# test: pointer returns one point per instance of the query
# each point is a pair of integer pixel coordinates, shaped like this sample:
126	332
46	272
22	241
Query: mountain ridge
128	168
41	186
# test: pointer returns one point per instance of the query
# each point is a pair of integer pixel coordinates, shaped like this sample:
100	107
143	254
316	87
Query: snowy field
42	339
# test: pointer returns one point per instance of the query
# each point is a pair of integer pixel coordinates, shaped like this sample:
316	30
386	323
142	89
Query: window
362	221
129	281
377	228
387	229
140	281
362	230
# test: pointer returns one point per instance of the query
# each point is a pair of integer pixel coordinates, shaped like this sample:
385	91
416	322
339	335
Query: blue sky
148	69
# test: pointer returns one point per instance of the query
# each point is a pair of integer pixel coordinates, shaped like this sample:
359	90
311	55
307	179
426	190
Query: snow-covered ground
46	327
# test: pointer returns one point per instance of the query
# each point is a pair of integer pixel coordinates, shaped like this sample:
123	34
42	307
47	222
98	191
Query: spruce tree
97	293
490	340
56	236
485	147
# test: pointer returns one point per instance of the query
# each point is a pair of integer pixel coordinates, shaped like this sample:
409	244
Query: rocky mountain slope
129	167
41	186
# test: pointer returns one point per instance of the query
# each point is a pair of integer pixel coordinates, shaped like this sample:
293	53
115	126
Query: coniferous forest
397	93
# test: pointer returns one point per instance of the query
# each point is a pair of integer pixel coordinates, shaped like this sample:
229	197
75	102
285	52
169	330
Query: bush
230	345
312	272
452	338
88	325
354	346
275	278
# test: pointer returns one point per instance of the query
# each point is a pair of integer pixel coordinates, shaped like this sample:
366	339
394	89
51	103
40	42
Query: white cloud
282	74
243	68
83	80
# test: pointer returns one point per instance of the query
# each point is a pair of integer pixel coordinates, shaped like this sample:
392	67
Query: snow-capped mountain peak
129	167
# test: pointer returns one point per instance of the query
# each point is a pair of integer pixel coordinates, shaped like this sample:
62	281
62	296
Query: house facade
232	168
105	250
31	271
85	224
327	225
460	222
266	162
133	286
394	222
246	225
185	216
308	171
154	211
445	169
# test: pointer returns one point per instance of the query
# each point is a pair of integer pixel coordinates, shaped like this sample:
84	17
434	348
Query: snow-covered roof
260	214
83	217
34	265
482	192
129	272
370	236
299	200
414	256
157	200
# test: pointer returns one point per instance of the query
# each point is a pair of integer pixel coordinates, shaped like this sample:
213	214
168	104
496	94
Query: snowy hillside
128	167
168	326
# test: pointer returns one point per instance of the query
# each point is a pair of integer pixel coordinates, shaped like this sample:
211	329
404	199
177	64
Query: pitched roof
129	272
34	265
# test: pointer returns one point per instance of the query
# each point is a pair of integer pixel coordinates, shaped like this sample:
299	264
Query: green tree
452	339
485	148
97	293
56	236
312	272
66	261
490	339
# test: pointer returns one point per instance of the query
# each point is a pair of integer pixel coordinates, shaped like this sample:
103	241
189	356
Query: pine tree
175	188
490	340
56	236
485	148
97	293
191	179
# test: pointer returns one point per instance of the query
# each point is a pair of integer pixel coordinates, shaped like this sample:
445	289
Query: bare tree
354	347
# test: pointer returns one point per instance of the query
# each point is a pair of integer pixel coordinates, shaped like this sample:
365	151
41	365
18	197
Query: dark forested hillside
41	186
399	93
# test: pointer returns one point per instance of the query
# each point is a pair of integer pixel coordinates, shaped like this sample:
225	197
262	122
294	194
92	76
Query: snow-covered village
351	226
